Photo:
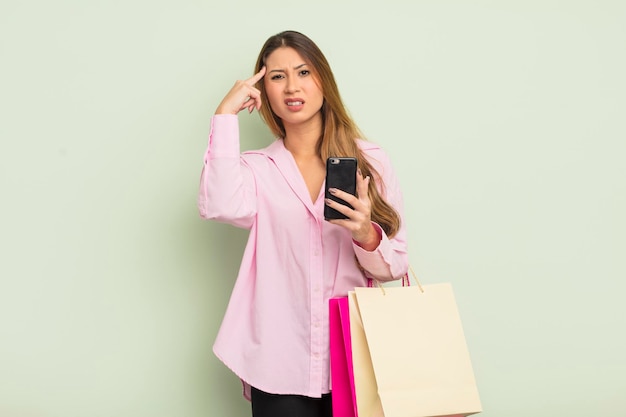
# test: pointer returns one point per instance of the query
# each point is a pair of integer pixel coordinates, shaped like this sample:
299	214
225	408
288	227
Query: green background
504	119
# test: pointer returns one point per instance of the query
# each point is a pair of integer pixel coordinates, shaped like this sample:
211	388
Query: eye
277	77
305	72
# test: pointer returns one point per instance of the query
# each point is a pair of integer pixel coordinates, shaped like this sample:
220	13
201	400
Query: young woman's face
292	90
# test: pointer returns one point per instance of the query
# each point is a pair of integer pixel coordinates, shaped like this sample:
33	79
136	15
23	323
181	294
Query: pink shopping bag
341	371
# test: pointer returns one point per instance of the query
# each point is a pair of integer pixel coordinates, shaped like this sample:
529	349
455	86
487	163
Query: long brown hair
339	132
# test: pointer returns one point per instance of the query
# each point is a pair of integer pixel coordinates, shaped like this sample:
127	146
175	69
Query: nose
292	85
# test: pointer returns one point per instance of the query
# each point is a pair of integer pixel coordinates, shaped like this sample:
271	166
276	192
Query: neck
302	139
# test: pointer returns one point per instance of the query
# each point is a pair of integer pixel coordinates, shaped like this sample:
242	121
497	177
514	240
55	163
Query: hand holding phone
340	174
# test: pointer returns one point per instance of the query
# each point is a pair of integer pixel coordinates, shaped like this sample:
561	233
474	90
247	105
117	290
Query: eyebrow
296	67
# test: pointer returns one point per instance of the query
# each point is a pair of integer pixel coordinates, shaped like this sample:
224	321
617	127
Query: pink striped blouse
274	334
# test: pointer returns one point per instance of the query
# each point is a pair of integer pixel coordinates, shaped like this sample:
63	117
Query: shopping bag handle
406	282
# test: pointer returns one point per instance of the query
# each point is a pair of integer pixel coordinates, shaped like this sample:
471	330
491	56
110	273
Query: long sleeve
390	260
227	187
293	263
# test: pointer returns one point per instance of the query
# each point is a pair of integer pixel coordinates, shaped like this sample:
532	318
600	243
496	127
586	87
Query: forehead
284	57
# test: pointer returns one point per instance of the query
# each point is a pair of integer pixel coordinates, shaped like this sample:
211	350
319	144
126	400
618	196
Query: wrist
221	110
371	241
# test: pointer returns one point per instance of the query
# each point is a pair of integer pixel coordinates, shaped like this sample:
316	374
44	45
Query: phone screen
340	174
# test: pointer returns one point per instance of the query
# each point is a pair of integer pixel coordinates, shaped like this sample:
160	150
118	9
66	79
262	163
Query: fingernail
328	201
332	190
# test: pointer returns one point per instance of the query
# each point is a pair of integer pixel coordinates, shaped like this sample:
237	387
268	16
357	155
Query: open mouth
294	101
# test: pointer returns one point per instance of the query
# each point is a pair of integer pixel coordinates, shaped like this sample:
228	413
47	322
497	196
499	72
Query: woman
274	335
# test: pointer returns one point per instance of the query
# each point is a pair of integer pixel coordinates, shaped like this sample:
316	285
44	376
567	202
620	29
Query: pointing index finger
257	77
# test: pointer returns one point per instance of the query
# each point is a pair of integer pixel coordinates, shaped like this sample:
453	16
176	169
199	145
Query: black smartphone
340	174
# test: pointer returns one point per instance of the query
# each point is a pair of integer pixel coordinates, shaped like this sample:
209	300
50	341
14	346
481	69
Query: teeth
294	103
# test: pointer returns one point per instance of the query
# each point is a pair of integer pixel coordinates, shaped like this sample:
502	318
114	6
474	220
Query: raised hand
359	221
243	95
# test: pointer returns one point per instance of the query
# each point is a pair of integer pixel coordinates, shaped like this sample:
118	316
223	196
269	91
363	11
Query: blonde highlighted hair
339	132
